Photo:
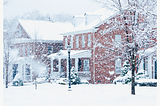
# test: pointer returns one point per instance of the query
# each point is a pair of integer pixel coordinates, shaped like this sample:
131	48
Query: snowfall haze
74	7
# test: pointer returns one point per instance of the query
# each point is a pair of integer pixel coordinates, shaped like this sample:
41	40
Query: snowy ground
81	95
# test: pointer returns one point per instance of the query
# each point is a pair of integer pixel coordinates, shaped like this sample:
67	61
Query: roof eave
79	32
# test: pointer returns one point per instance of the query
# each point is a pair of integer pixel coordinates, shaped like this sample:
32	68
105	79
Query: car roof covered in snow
45	30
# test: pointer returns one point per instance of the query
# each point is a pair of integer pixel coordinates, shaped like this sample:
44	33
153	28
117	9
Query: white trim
63	54
79	32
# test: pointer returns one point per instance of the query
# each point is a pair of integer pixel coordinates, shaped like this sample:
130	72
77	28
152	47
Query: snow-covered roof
148	51
45	30
83	28
73	54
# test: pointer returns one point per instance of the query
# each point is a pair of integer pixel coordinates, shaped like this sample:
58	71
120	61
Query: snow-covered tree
137	21
74	77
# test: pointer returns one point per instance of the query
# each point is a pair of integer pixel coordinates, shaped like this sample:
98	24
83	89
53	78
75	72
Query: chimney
78	19
90	17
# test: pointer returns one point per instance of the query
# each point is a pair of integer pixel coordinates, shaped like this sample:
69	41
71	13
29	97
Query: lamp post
69	67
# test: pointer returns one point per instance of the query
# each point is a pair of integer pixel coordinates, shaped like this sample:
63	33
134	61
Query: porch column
150	67
20	69
59	63
51	67
141	64
24	74
76	64
67	67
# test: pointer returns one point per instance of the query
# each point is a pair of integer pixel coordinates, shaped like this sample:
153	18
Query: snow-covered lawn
81	95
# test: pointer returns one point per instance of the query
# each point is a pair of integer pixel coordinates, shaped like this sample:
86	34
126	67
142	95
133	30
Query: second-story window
83	41
66	43
117	38
71	42
89	40
77	41
118	66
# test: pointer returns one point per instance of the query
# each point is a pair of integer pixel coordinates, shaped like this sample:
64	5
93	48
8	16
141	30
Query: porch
75	56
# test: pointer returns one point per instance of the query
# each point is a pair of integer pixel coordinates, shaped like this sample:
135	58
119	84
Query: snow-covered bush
142	74
126	67
17	80
125	77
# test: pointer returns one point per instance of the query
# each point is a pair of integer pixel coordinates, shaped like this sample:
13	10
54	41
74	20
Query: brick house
34	41
89	38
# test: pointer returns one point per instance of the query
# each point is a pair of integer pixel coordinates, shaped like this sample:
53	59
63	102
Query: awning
63	54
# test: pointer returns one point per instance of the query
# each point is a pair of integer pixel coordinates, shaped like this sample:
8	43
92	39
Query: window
71	42
89	40
83	41
50	50
118	66
86	64
27	72
15	70
23	50
66	43
29	50
145	64
77	41
117	38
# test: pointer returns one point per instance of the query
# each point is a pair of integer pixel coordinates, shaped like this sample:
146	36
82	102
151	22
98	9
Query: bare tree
136	20
9	29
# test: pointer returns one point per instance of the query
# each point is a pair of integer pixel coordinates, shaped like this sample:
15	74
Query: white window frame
71	42
29	50
66	43
89	40
118	66
117	38
77	41
86	65
23	50
83	41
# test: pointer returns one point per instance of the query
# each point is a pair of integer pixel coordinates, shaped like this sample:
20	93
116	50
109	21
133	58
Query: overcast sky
73	7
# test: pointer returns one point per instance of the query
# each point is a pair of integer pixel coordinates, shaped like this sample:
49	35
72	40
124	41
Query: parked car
146	82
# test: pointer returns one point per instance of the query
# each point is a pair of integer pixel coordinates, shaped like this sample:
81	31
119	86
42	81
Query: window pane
77	41
89	40
65	43
71	42
118	66
117	38
83	42
86	65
